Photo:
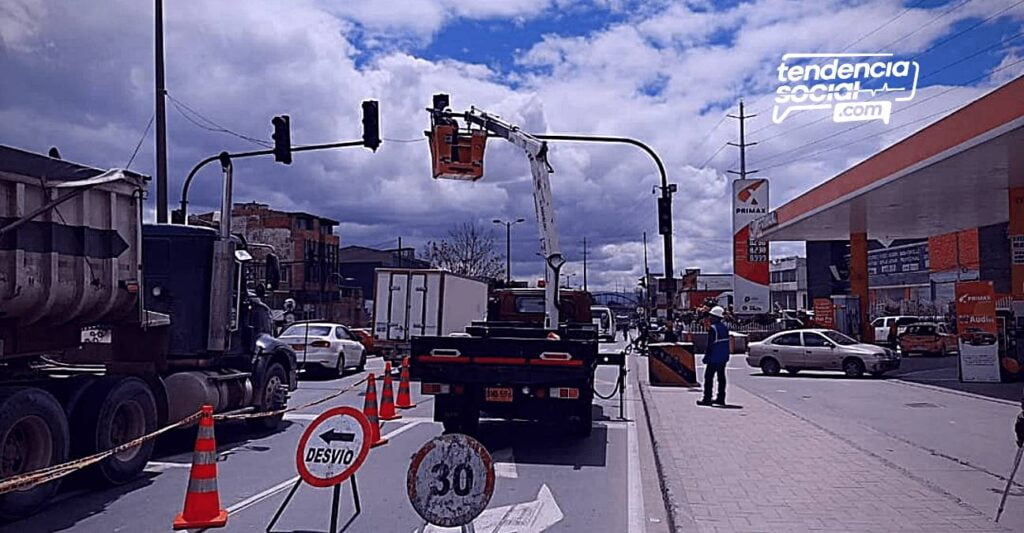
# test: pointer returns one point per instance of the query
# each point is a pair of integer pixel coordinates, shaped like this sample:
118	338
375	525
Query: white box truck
418	302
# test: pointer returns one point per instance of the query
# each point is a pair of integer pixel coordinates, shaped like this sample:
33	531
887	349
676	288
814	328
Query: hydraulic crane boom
536	151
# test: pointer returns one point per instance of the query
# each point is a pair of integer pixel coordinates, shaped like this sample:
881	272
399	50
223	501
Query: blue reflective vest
718	344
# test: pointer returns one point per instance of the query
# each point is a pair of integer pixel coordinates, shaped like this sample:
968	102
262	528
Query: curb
950	391
666	496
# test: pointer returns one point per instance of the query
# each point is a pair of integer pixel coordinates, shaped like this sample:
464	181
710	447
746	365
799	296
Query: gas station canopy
950	176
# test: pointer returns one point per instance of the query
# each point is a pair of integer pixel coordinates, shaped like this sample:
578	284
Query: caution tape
276	412
54	472
51	473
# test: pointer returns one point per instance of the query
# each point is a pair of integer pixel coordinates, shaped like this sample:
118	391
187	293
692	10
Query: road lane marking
256	498
533	516
160	466
505	463
634	487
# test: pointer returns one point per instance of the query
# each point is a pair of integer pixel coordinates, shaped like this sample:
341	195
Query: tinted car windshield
921	330
838	338
299	330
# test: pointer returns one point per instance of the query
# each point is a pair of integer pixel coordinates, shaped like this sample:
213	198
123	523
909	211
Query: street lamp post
508	245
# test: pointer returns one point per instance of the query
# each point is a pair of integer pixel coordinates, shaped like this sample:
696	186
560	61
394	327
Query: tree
468	251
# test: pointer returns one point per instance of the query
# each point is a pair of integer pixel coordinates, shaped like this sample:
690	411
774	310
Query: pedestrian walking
1018	429
716	357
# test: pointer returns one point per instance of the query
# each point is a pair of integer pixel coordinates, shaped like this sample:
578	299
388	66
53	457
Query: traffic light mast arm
537	152
241	155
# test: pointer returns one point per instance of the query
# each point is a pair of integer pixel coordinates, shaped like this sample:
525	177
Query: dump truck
111	328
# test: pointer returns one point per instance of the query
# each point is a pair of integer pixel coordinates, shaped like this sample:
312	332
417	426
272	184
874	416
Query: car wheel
792	370
113	411
769	366
339	369
271	399
944	351
33	435
853	367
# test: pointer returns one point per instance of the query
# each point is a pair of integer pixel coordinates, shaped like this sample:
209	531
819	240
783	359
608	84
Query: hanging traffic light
282	139
371	124
665	215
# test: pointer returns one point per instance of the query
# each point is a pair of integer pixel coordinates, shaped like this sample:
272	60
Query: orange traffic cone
387	402
202	502
370	410
404	398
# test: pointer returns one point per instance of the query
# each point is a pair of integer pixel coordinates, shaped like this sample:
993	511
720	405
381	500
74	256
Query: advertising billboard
976	331
749	255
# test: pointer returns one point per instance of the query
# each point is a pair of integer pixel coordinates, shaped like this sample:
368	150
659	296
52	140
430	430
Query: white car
882	324
820	349
604	319
331	346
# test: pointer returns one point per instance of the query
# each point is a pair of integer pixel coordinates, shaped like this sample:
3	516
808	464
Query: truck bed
494	359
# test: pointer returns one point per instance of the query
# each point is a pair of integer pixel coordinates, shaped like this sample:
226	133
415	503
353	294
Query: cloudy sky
78	74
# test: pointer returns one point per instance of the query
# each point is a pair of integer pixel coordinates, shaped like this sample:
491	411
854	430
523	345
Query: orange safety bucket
457	155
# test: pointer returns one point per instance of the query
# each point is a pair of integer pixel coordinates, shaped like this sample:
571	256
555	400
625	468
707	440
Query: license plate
498	394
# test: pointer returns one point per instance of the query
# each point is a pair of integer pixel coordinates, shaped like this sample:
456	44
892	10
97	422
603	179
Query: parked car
820	349
928	338
977	337
603	318
365	336
883	323
329	346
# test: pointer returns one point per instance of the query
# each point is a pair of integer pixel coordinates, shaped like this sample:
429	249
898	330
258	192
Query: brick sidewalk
760	468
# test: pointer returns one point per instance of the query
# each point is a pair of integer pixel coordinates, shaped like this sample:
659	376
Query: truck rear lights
444	352
555	356
435	388
320	344
565	393
540	393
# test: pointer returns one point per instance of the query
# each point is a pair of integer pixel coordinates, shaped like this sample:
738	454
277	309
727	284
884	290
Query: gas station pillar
1016	242
859	281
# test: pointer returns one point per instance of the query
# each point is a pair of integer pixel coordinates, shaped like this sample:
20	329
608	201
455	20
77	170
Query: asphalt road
553	481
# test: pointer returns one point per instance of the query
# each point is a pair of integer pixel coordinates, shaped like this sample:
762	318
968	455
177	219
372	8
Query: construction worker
716	357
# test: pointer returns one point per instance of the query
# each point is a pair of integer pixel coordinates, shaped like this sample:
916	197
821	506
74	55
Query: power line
422	139
929	23
139	144
965	30
888	22
181	107
712	156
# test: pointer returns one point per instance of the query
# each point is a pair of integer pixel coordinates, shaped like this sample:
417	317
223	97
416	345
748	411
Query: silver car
820	349
330	346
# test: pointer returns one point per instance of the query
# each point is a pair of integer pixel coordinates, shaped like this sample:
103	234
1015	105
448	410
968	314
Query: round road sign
450	480
333	447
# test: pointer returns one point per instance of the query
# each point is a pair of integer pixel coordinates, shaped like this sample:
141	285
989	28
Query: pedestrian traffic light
371	125
665	215
282	139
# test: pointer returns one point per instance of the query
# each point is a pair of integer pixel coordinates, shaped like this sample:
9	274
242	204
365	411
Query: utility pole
647	275
399	252
584	263
743	144
161	118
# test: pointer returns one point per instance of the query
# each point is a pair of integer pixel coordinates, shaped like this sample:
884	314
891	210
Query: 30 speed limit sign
450	480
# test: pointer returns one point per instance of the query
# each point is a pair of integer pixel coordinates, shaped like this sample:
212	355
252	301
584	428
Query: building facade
788	283
307	247
358	263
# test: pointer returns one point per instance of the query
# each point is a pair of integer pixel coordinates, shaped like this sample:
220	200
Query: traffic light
665	215
371	125
282	139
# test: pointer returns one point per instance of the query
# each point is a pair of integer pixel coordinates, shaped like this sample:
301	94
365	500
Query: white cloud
82	80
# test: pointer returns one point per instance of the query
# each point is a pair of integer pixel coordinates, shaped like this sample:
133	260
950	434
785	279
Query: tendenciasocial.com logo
855	87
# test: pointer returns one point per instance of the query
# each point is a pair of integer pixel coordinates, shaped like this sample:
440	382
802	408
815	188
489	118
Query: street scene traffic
512	267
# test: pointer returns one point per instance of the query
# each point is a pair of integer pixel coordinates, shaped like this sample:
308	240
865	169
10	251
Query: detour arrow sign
338	449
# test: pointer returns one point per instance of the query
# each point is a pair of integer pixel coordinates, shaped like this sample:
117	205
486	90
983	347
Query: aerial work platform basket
457	154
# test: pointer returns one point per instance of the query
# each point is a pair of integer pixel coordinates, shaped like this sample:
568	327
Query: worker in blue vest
716	357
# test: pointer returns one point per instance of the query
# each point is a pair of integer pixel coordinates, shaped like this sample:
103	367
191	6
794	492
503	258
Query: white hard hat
717	311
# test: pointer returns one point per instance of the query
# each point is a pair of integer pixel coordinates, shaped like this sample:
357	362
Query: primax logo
967	298
837	81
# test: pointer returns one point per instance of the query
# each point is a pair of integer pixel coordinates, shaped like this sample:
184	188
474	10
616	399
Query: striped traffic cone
370	410
202	502
387	402
404	398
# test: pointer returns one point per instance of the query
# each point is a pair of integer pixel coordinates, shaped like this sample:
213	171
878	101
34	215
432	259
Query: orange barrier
370	410
671	364
404	397
202	501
